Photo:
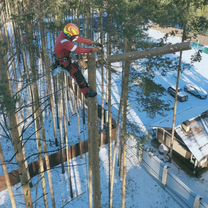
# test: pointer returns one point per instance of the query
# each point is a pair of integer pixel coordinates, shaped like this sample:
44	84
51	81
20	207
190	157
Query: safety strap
63	59
74	48
64	41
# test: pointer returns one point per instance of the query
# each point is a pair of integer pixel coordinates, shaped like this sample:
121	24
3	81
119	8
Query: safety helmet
71	30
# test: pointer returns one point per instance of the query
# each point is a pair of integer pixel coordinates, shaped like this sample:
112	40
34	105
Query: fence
186	197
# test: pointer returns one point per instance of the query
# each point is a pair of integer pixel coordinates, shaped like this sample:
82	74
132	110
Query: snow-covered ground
140	187
196	74
31	144
142	191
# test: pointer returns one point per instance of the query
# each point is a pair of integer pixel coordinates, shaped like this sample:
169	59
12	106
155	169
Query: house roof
196	139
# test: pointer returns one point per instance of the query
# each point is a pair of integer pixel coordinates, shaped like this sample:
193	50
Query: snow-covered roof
196	139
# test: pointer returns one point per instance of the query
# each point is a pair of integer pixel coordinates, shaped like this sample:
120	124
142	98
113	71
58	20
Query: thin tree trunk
48	167
9	5
6	174
38	126
65	109
114	166
176	98
46	64
53	108
37	113
102	81
116	150
61	122
13	123
109	119
77	108
124	125
51	90
17	89
11	115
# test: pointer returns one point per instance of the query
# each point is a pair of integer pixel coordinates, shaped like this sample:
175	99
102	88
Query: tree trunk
109	133
151	52
102	81
124	126
51	90
93	140
48	167
16	138
6	174
37	112
65	107
38	126
176	98
61	126
116	150
12	93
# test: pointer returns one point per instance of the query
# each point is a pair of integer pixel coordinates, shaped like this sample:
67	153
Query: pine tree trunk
61	126
109	118
158	51
37	113
38	126
93	140
102	81
17	89
53	108
10	108
116	151
124	126
49	78
65	107
10	7
6	174
48	167
46	62
90	145
16	138
77	109
176	98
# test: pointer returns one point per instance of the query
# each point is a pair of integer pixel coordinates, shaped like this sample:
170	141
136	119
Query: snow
197	141
140	186
197	74
31	145
142	190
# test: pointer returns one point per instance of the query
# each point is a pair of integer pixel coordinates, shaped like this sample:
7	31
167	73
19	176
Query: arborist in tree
65	46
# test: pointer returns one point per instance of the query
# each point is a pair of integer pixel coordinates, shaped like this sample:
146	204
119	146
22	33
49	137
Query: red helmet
71	30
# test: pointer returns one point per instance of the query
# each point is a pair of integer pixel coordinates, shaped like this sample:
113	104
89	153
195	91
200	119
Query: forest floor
203	39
